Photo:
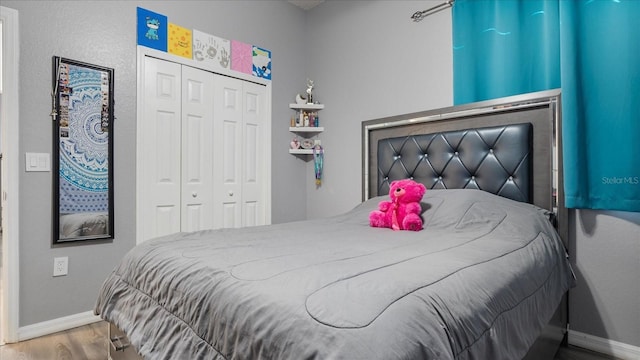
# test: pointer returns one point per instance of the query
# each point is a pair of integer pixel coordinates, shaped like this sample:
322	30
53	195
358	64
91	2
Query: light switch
37	162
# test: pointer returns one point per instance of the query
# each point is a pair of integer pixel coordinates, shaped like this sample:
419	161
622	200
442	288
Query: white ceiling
306	4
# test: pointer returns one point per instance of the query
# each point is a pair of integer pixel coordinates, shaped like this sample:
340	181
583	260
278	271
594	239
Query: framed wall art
82	163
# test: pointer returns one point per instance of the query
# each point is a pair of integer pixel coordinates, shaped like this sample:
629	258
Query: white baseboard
55	325
604	346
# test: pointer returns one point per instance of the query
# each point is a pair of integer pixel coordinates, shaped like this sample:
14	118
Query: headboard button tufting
434	156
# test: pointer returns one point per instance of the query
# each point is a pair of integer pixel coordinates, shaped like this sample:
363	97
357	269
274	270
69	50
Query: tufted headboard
510	147
496	159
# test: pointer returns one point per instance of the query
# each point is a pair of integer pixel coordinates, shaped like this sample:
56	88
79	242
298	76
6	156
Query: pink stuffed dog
403	211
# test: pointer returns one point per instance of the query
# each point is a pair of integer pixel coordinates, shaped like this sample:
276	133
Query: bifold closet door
176	138
161	149
239	136
197	149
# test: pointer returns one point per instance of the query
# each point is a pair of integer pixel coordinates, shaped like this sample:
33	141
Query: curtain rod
419	15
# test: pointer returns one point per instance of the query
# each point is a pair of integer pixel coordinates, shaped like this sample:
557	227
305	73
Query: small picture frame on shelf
307	143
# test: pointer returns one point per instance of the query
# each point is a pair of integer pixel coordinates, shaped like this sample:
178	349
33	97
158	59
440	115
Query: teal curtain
600	78
504	47
588	48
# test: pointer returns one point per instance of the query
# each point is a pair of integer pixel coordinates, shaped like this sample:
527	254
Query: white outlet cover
60	266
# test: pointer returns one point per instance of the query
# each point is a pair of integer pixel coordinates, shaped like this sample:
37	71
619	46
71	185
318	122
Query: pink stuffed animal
403	211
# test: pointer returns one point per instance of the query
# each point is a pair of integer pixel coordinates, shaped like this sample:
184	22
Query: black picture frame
82	162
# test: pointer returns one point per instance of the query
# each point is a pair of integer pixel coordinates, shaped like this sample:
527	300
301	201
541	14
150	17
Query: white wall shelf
306	106
309	133
301	151
306	129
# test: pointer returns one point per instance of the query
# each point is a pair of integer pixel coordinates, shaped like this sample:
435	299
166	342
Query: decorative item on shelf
301	99
307	143
312	117
309	91
307	118
295	144
318	163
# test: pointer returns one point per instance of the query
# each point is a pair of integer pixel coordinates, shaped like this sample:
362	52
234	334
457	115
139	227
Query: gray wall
368	60
104	33
605	246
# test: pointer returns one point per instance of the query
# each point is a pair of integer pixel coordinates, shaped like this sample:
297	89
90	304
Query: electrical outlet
60	266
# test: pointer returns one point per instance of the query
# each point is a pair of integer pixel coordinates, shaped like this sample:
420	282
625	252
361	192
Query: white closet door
202	142
160	141
239	158
197	149
253	115
228	153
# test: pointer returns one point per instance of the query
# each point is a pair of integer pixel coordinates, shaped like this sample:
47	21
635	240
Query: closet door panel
161	122
228	148
231	213
253	117
197	149
228	152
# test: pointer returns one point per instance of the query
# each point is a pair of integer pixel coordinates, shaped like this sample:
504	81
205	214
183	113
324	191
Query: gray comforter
479	282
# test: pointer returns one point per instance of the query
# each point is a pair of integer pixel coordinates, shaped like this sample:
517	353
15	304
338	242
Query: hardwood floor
87	342
90	343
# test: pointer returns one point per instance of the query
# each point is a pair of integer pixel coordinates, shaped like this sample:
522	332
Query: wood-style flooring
90	342
87	342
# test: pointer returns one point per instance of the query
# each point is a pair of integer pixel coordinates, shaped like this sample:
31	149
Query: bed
486	278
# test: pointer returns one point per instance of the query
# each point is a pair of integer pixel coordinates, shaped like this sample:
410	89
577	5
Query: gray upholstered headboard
496	159
525	167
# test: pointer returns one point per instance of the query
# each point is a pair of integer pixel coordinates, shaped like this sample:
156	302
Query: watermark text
621	180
